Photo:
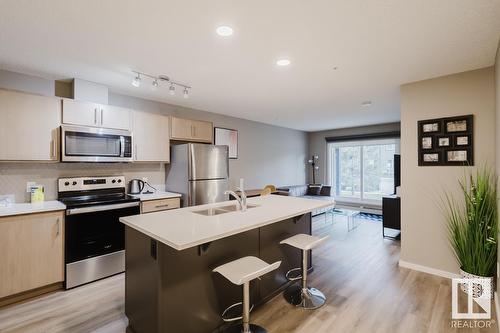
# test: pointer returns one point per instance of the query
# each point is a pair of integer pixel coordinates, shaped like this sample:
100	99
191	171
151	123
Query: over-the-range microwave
94	144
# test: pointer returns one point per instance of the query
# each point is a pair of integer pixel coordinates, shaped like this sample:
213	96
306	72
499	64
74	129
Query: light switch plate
29	185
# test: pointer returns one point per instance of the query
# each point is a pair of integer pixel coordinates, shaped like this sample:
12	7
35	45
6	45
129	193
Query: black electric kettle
135	186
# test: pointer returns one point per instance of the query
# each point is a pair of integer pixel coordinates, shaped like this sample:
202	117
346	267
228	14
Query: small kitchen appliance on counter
135	186
94	236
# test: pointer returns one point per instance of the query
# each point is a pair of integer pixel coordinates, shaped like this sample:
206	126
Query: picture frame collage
446	141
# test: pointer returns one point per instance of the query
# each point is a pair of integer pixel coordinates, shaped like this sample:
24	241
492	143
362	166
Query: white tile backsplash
13	176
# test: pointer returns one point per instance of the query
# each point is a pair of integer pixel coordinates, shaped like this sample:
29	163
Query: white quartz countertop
31	208
156	195
182	228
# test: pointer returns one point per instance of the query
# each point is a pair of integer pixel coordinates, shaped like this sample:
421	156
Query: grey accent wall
424	238
317	144
267	154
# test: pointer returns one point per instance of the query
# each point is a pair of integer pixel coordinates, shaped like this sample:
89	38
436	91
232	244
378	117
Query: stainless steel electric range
94	236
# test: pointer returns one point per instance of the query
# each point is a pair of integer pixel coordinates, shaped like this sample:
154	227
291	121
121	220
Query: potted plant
473	227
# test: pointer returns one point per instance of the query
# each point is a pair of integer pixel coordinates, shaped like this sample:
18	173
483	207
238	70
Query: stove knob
66	183
74	183
113	181
119	180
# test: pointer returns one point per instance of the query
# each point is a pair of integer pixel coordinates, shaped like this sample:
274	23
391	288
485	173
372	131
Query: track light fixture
161	78
136	82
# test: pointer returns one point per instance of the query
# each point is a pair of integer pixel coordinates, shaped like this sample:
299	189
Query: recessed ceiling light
283	62
224	31
366	103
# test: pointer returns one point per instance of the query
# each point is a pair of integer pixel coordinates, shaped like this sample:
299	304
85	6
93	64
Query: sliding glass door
362	171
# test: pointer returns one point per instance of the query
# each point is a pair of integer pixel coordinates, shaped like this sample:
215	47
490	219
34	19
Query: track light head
171	90
186	93
137	81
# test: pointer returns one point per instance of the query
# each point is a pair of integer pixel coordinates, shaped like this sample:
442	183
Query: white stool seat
245	269
304	241
303	296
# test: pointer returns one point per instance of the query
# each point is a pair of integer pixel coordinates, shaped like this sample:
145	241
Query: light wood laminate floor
358	272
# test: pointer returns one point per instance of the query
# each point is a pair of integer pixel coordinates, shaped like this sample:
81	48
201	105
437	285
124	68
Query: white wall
267	154
423	230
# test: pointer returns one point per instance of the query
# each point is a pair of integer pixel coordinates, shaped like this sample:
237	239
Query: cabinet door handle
161	206
58	227
194	129
102	116
54	149
95	116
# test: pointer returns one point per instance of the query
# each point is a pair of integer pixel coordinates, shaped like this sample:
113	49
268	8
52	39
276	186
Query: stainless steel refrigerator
200	172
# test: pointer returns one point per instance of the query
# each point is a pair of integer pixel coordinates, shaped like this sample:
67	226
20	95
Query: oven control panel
90	183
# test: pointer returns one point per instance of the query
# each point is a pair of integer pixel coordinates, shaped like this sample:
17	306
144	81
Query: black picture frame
454	129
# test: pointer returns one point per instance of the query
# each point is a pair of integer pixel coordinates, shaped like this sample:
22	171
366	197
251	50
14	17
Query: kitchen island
170	255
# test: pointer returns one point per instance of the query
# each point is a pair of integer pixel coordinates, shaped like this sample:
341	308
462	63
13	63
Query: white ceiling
377	46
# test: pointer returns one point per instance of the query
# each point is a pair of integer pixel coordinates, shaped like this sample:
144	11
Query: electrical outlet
6	200
145	179
29	185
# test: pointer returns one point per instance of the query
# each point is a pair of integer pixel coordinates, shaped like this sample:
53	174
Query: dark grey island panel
167	290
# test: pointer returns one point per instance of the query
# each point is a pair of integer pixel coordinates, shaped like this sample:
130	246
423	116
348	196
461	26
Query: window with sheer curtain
362	171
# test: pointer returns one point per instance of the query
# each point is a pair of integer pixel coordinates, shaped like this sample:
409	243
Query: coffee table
349	214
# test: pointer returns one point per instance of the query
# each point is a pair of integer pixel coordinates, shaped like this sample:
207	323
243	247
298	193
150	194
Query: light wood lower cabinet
160	204
191	130
31	252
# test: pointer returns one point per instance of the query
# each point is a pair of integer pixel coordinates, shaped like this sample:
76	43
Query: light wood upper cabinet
80	113
29	130
31	252
151	137
98	115
115	117
203	130
191	130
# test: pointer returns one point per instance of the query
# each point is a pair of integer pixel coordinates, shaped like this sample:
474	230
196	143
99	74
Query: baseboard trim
27	295
429	270
497	309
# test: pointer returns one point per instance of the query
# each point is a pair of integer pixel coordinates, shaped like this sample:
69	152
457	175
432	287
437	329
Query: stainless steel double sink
220	210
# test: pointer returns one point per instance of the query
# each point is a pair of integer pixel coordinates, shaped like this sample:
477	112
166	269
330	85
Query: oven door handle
83	210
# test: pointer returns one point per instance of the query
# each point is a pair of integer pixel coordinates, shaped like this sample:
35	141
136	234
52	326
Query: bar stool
241	272
303	296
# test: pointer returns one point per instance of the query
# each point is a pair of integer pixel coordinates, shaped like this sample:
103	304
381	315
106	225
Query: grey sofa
317	192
